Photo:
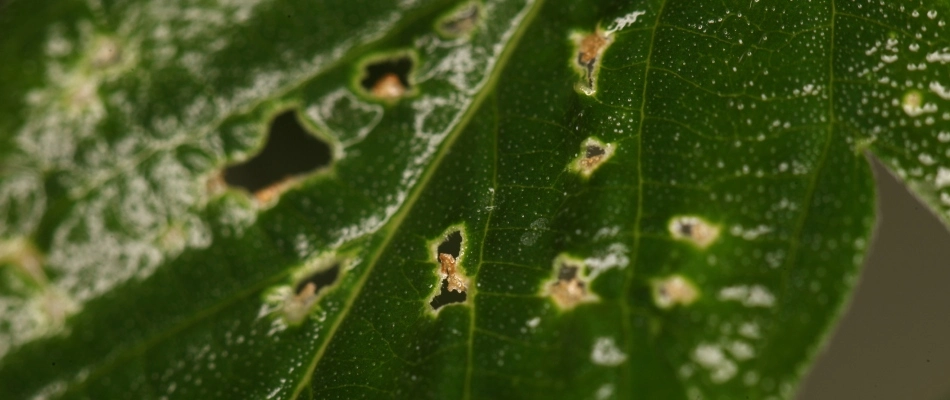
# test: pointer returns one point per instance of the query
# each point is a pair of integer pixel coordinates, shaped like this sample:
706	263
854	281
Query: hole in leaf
319	280
452	245
387	79
569	287
594	153
594	150
454	284
446	296
290	151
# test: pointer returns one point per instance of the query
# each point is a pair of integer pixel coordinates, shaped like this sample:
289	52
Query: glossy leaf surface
656	199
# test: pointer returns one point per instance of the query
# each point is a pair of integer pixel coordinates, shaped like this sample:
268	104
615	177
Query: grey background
894	341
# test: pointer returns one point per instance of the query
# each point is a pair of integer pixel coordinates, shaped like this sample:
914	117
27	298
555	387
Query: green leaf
662	199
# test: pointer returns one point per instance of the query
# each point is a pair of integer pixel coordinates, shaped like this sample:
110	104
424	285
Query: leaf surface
659	199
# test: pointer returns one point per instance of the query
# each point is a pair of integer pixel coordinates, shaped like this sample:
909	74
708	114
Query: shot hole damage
387	78
672	291
461	21
694	230
593	154
289	152
454	284
590	49
569	287
311	282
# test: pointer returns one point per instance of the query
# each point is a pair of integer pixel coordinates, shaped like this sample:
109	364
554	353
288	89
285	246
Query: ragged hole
594	153
387	79
570	287
447	296
318	280
452	245
454	283
289	151
297	304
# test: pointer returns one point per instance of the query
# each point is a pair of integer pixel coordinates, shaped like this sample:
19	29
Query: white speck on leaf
606	353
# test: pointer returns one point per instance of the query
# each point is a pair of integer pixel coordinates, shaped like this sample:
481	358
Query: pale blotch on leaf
694	230
672	291
589	49
913	104
107	53
593	154
387	78
461	21
606	353
293	303
453	285
25	258
569	287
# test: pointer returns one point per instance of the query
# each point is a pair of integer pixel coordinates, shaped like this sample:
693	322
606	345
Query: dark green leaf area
665	199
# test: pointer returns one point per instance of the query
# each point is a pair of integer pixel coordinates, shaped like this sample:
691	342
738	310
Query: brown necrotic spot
314	279
454	284
593	154
461	21
673	290
590	49
570	285
387	79
289	152
693	229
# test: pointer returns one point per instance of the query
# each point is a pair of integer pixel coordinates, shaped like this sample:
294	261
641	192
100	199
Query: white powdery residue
430	131
604	392
749	233
810	90
345	116
888	58
534	231
712	358
925	159
627	20
940	90
943	177
754	296
274	392
533	322
463	67
942	56
750	330
615	256
302	245
606	353
943	137
22	203
42	314
607	232
741	350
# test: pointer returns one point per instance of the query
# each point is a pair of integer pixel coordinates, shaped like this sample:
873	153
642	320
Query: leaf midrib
400	216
